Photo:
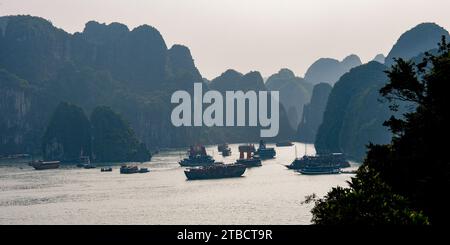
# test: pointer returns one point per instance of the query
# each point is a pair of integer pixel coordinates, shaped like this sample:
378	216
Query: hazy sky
262	35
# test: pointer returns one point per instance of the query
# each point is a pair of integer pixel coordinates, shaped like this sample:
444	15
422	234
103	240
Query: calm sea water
270	194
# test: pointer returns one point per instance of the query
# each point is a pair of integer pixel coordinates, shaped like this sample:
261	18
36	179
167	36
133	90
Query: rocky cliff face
354	114
313	113
131	71
68	134
295	92
21	123
232	80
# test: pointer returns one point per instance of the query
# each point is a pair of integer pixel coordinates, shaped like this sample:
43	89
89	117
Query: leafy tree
113	139
412	172
68	134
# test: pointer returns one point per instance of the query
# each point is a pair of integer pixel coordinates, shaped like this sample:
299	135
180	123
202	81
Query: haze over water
270	194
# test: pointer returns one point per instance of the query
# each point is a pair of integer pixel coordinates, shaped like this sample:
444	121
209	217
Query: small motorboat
143	170
106	169
44	165
133	170
129	169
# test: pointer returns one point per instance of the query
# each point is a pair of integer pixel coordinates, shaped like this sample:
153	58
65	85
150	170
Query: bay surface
270	194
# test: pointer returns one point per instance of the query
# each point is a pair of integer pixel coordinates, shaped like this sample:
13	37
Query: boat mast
296	152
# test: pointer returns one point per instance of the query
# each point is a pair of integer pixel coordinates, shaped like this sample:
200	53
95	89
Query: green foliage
131	71
368	201
68	134
354	115
8	80
114	140
413	172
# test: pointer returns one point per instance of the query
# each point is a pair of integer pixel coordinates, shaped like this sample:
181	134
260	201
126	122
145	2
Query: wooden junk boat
251	160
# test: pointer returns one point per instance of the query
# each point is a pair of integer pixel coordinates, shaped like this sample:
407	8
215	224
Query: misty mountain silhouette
354	115
419	39
327	70
295	92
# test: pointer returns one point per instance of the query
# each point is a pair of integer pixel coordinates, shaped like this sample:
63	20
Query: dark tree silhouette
406	181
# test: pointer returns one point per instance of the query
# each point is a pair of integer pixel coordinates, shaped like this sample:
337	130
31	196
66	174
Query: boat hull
319	172
336	161
195	163
230	171
45	165
254	162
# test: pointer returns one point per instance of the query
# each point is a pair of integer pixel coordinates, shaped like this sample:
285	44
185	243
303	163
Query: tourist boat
43	165
335	159
222	147
106	169
197	157
250	160
226	152
284	144
215	171
319	170
263	152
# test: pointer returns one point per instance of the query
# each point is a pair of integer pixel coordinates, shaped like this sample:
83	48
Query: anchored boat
125	169
84	162
265	153
323	160
44	165
251	160
197	157
129	169
215	171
